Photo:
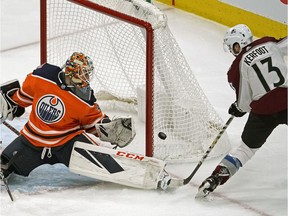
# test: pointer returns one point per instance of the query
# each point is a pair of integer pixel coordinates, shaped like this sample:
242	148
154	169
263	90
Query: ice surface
260	188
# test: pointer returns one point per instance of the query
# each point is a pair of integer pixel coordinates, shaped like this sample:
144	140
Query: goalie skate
165	181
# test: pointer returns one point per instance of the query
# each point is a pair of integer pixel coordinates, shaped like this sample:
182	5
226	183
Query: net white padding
118	50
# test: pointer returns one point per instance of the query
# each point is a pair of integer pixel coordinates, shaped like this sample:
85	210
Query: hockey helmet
239	34
79	68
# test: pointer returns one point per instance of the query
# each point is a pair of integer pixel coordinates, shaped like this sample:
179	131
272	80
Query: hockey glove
119	132
8	108
235	110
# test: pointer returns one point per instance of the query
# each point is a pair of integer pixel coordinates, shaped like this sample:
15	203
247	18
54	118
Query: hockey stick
10	162
6	186
188	179
11	128
6	166
5	182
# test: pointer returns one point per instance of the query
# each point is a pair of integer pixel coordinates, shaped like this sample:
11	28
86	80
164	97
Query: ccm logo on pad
130	155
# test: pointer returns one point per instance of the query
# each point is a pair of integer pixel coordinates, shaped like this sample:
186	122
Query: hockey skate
208	186
219	176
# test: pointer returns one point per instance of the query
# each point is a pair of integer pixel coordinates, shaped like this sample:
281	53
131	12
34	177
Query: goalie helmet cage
135	56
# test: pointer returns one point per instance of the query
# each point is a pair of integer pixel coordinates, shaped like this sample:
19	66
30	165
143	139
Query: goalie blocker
8	108
120	167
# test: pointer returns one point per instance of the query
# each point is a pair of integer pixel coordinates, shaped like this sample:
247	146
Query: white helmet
240	34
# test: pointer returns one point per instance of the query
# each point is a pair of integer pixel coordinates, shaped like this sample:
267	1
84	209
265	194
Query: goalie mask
239	34
79	69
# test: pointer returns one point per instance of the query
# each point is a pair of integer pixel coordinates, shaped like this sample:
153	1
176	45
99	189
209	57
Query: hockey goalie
65	125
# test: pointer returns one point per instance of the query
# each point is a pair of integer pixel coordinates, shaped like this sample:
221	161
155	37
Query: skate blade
202	193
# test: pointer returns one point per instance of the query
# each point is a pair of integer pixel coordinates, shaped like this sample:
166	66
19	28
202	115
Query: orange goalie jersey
57	114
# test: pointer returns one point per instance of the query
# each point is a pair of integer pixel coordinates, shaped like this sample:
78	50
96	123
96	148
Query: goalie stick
6	185
6	166
11	128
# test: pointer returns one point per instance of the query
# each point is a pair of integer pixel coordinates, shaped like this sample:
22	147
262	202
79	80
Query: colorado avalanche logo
50	109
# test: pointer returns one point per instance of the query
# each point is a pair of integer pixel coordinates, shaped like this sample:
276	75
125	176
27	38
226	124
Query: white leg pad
116	166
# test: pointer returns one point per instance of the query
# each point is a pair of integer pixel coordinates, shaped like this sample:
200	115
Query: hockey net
138	63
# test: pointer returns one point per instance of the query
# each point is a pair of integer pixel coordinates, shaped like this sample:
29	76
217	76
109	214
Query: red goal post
130	41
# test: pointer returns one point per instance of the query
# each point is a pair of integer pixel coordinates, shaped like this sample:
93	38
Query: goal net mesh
119	51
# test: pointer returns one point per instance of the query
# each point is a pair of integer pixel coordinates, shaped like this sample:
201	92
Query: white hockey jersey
259	76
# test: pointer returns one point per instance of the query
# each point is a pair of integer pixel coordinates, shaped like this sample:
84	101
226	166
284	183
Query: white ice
259	188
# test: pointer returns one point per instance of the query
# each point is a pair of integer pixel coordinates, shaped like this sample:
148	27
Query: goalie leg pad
115	166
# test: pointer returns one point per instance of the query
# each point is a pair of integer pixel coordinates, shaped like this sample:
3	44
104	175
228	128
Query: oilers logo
50	109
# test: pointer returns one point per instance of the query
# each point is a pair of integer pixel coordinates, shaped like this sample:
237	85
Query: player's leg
20	157
228	166
118	166
256	131
63	153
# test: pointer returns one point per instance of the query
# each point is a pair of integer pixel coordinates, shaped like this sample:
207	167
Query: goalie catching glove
119	132
8	108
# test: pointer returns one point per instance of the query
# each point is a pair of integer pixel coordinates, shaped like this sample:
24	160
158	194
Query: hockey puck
162	135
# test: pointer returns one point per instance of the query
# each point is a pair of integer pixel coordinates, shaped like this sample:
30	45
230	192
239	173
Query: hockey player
63	121
259	77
